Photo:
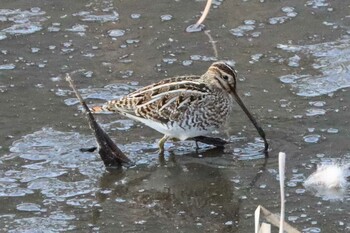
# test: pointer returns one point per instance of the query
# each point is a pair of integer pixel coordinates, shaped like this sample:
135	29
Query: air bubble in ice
312	138
10	66
332	130
187	62
195	28
116	33
22	29
135	16
294	61
30	207
166	17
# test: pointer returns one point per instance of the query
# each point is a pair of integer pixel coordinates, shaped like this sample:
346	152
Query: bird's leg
197	147
161	144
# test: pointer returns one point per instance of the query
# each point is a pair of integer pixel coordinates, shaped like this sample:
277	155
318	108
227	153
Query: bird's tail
100	109
108	107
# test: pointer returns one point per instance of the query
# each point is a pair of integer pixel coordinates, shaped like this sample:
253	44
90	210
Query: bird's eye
225	77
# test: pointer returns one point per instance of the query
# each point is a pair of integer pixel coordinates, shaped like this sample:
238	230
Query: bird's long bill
251	118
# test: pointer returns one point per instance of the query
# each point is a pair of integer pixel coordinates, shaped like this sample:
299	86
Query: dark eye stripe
222	85
224	67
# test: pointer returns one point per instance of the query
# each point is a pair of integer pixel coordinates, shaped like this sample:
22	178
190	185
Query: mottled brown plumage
185	106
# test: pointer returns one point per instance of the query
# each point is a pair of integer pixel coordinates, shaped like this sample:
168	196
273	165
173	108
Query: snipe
185	106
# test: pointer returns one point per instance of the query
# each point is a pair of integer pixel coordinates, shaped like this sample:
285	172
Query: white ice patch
332	60
87	16
109	92
23	22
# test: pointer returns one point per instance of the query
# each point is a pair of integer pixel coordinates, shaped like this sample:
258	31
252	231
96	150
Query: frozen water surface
22	29
312	138
292	76
242	30
290	13
7	66
317	3
90	17
54	162
166	17
135	16
195	28
80	29
28	207
23	21
116	33
50	156
332	60
109	92
2	36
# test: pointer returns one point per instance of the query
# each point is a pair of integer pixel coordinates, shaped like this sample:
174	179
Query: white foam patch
329	181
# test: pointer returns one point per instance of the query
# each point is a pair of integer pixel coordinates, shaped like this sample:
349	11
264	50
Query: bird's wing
163	101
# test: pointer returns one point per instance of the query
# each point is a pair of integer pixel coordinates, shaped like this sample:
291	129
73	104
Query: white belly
173	130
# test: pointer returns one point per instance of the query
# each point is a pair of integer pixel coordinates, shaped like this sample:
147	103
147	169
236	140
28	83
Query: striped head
222	76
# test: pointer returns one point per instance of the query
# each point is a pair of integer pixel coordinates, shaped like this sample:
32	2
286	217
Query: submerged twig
110	154
212	42
198	26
